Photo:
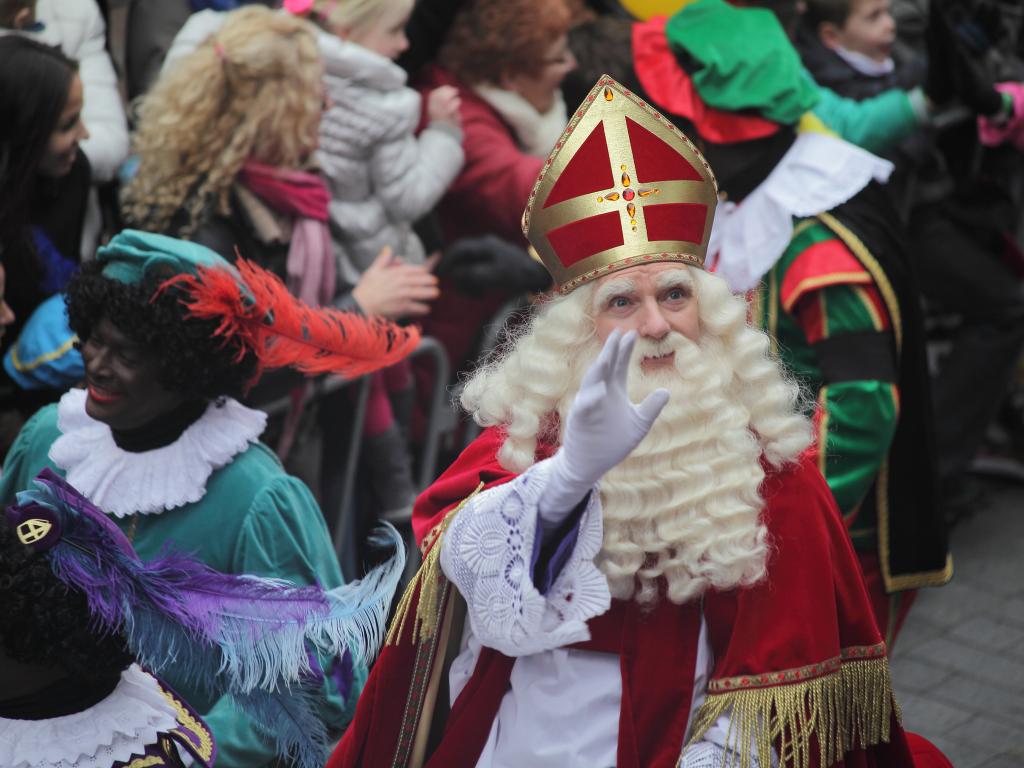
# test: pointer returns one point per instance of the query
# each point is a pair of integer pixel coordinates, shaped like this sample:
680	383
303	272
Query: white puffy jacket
381	175
77	27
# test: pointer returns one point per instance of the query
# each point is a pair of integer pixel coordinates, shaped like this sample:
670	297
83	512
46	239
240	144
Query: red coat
487	197
807	629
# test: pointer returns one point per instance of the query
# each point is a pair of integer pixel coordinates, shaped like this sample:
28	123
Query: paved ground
958	666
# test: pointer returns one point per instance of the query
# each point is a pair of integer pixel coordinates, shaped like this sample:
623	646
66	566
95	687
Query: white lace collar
818	173
121	725
122	483
535	131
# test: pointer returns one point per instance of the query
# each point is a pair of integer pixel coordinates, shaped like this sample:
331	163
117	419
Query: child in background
848	46
959	222
382	178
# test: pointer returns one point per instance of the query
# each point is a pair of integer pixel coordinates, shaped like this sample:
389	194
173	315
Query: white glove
603	427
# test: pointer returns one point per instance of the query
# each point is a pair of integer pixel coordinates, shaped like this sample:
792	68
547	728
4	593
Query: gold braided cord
428	581
850	708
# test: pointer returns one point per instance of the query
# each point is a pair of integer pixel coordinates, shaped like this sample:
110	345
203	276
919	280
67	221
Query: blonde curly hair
252	91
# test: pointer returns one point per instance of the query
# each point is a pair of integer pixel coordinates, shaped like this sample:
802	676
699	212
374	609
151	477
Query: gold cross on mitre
618	149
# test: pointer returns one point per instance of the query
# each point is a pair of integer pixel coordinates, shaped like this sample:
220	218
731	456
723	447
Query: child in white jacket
382	176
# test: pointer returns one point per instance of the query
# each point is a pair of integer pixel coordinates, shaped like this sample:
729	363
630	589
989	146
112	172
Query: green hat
131	255
740	60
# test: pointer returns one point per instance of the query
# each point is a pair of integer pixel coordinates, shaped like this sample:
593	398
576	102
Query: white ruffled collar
121	725
818	173
123	483
535	131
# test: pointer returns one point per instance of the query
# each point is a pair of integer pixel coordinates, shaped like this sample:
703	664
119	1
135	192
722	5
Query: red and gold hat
623	186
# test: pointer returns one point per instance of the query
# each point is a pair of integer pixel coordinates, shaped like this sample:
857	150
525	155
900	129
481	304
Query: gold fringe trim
850	708
428	581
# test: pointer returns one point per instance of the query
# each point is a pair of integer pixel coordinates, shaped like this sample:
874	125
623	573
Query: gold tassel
850	708
428	580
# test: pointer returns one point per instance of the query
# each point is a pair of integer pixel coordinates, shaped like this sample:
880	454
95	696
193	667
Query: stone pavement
958	666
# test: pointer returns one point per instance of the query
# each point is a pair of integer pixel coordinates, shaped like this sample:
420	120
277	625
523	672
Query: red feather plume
285	332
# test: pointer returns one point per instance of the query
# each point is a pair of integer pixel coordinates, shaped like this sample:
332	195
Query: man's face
869	29
122	379
652	299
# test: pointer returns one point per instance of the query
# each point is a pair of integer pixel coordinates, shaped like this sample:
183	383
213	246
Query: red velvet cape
806	629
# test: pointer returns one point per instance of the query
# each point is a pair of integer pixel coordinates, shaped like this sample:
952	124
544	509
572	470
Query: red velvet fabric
814	598
655	160
579	239
670	89
811	605
926	754
890	610
676	221
589	170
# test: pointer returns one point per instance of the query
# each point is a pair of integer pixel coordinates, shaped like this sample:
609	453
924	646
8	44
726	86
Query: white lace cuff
487	553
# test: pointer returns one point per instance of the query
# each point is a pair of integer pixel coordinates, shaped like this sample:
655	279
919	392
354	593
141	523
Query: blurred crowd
377	155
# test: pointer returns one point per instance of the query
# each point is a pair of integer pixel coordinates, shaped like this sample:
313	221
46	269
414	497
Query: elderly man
632	566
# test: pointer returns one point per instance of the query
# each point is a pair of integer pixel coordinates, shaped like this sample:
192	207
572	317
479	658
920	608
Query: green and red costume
836	293
838	322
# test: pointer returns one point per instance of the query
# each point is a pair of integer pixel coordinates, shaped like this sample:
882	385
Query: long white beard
684	506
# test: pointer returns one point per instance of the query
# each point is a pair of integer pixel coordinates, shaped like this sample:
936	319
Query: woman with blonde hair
225	143
238	91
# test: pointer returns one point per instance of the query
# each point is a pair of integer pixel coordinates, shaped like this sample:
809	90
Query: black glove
487	263
955	70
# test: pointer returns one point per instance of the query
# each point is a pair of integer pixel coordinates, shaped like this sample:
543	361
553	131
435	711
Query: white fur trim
818	173
119	726
123	483
536	131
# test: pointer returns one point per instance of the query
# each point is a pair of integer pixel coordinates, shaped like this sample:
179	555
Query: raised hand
393	289
602	428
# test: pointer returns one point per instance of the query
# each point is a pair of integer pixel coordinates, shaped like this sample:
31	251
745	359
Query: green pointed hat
740	60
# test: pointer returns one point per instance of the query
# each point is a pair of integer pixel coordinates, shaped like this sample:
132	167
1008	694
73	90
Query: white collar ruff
815	175
123	483
112	730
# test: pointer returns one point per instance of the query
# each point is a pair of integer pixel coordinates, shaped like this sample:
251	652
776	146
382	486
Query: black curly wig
191	360
44	622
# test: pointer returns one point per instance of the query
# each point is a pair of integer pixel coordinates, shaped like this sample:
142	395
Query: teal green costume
254	518
215	492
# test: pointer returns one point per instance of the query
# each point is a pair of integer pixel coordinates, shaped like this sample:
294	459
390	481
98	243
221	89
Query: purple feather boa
241	635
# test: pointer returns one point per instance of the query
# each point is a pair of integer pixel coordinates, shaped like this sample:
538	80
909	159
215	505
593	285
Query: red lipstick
102	396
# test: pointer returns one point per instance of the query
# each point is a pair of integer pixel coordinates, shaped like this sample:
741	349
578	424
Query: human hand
392	289
602	428
443	106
